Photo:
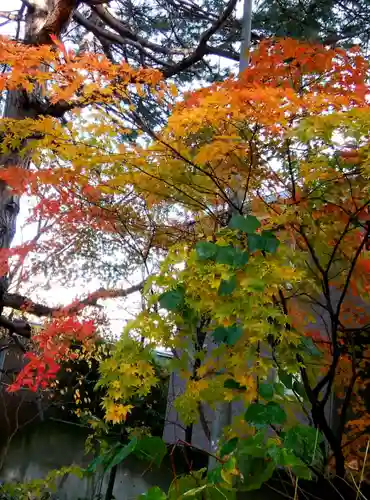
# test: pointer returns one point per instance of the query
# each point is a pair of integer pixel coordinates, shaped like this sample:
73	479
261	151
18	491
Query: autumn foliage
257	194
53	347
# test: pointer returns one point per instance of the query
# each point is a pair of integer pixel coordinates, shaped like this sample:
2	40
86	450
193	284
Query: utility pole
246	36
223	413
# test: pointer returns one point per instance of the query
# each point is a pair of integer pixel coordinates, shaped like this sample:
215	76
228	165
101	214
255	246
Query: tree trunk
112	480
43	18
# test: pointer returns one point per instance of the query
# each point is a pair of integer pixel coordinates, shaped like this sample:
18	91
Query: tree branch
125	31
98	31
22	303
318	407
202	48
10	15
19	327
55	21
219	51
349	275
114	38
345	405
123	35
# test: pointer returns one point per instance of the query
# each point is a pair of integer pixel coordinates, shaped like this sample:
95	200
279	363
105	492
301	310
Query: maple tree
266	293
114	34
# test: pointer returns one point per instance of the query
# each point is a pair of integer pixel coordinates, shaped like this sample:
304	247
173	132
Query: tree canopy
265	296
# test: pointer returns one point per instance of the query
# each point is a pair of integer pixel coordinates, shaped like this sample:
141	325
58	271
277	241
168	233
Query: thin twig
363	470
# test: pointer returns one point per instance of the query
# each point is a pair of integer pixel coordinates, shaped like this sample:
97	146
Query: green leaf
279	389
181	485
276	413
173	299
122	454
227	335
304	441
266	390
194	491
286	379
255	242
259	414
241	258
214	475
275	452
230	383
234	257
220	493
198	475
302	471
256	414
206	250
265	241
154	493
229	447
214	492
283	457
298	387
100	459
269	241
254	445
227	286
151	448
309	346
225	255
190	315
257	285
256	471
247	224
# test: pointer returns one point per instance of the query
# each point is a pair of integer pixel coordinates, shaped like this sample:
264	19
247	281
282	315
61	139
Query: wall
50	445
17	409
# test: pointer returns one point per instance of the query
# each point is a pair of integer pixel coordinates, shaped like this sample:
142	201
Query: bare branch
202	48
22	303
125	31
113	38
219	51
19	327
11	15
123	35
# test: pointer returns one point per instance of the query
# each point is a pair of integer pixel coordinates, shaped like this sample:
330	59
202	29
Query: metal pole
246	35
223	413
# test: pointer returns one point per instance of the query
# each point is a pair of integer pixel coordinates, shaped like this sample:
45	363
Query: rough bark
45	18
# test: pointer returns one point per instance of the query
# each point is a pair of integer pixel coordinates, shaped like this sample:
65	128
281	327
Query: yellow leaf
117	413
173	89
